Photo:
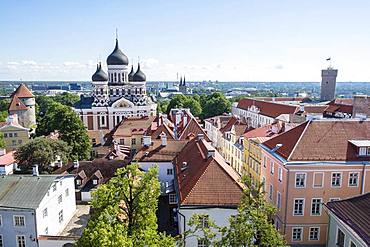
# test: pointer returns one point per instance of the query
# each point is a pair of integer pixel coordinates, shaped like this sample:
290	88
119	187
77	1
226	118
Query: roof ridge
299	139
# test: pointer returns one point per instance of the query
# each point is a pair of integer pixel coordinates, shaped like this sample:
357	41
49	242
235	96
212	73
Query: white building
119	94
205	184
213	127
7	162
31	206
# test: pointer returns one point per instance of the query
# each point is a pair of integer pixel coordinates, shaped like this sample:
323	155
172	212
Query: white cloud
13	63
149	63
28	62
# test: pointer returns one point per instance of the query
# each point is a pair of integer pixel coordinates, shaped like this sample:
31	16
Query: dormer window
95	181
363	147
78	181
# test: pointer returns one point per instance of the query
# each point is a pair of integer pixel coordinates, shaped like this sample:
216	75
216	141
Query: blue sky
261	40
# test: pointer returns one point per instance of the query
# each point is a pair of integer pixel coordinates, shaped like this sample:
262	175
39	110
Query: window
172	198
340	238
314	233
278	201
264	162
19	220
133	141
336	179
102	121
14	142
60	216
54	186
78	181
297	233
10	135
121	141
300	180
95	181
21	241
60	199
202	243
5	135
353	179
352	244
67	192
318	179
169	171
263	184
15	134
45	212
1	241
272	167
280	174
204	221
271	191
1	221
316	206
298	207
20	142
46	231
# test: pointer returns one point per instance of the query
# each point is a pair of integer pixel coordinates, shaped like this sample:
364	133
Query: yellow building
14	134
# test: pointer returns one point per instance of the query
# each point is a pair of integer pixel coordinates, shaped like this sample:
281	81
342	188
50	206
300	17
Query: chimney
147	141
164	140
35	170
200	137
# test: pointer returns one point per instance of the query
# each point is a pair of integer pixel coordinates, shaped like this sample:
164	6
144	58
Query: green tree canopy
66	98
251	226
41	151
2	141
124	211
70	126
215	104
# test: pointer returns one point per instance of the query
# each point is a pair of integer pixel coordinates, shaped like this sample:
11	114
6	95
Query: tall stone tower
23	104
328	83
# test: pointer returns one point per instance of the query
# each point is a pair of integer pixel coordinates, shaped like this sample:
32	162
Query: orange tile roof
192	129
23	92
157	152
270	109
7	159
165	129
17	105
133	126
322	140
206	180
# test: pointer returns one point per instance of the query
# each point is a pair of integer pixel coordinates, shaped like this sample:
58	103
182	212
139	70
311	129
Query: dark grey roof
131	75
139	75
24	191
84	103
117	57
99	74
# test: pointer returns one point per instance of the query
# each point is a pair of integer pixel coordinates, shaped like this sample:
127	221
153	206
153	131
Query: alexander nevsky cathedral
118	94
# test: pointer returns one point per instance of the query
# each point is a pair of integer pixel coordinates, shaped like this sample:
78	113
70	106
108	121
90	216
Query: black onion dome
139	75
117	57
99	74
131	75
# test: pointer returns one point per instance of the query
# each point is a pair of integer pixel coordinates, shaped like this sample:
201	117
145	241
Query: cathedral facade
118	94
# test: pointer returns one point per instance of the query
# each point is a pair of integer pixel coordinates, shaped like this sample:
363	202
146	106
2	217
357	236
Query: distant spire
116	33
183	81
180	80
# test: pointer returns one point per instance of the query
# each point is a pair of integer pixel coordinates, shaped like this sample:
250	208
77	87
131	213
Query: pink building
314	163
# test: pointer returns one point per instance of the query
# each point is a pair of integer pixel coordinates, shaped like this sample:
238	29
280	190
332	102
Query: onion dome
99	74
131	75
139	75
117	57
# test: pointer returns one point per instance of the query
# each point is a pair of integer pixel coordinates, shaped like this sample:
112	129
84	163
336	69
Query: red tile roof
23	92
315	108
270	109
7	159
322	140
233	120
157	152
163	128
192	129
17	105
340	105
133	126
206	180
355	212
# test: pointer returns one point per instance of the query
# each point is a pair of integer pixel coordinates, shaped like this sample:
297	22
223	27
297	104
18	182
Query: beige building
314	163
15	135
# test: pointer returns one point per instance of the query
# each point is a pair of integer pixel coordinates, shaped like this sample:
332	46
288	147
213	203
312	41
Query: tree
182	101
251	226
176	102
124	211
215	104
2	141
4	105
41	151
68	99
70	127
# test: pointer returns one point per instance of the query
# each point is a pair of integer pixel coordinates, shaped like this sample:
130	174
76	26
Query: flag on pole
328	59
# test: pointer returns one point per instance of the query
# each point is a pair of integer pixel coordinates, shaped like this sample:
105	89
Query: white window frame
66	192
264	184
318	233
264	161
357	179
322	182
272	167
280	174
278	202
320	206
95	181
172	199
17	243
340	180
45	213
60	213
303	206
1	221
271	192
301	238
54	186
60	199
336	236
78	181
295	180
21	216
101	117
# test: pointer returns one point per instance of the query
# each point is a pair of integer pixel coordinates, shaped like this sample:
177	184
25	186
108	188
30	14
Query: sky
247	40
